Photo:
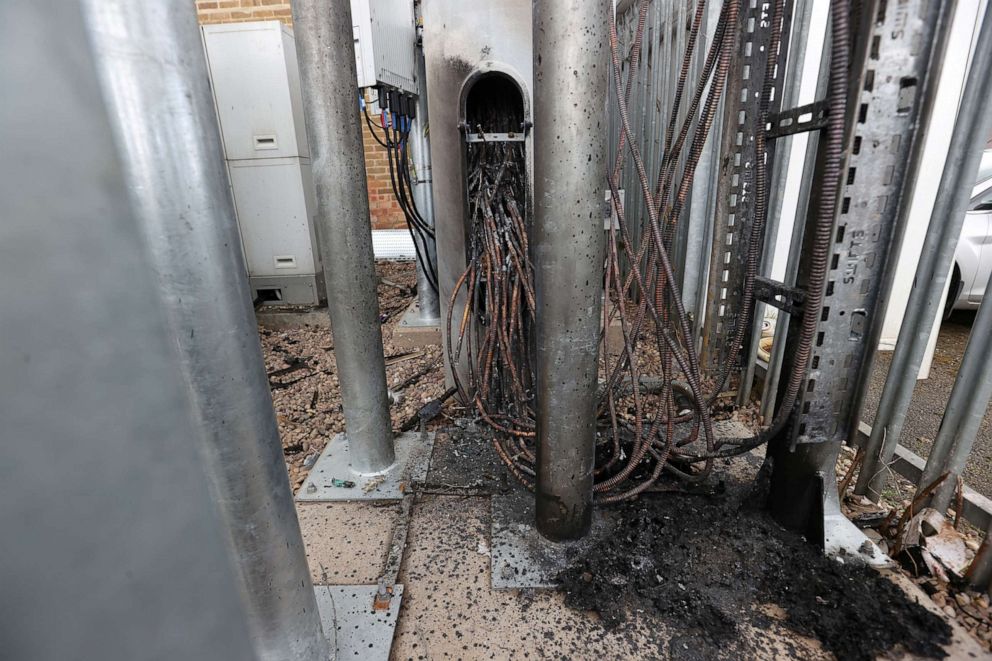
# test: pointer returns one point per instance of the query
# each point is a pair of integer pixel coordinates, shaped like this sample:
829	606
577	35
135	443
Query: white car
973	256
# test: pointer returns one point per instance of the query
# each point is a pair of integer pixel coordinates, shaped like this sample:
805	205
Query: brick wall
234	11
385	211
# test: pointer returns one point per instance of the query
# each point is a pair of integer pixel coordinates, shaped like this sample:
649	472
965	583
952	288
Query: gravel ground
930	397
304	379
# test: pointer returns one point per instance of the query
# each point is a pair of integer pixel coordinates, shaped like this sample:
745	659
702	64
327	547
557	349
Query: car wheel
953	292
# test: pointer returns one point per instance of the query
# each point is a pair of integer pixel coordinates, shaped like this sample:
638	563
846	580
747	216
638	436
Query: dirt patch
709	564
930	398
304	379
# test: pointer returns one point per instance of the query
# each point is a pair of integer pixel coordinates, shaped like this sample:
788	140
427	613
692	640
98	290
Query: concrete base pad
521	557
413	332
352	625
293	316
465	461
412	456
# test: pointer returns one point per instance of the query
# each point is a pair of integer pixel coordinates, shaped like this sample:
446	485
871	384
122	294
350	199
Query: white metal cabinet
256	86
273	197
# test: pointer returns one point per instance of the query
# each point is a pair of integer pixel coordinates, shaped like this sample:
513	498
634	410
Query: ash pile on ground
708	564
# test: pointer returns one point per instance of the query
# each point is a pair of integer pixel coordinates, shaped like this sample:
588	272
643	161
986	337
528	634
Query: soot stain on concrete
708	565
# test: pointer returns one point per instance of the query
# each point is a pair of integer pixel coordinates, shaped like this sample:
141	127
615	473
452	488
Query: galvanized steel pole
112	544
325	48
428	299
571	69
154	76
964	412
971	131
702	207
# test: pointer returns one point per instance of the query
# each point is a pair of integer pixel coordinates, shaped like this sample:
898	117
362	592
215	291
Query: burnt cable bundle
655	412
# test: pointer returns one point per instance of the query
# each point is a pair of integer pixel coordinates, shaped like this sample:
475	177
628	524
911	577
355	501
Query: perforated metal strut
734	216
891	86
893	64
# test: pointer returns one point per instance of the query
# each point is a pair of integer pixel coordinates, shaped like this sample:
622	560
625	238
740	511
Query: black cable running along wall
393	133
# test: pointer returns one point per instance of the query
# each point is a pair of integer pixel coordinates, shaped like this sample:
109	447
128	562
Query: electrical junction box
255	80
385	43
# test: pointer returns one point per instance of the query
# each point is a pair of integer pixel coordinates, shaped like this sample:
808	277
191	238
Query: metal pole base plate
349	620
520	556
332	477
803	497
413	331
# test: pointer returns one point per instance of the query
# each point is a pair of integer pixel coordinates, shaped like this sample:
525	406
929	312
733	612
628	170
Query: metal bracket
811	117
803	498
495	137
479	135
779	295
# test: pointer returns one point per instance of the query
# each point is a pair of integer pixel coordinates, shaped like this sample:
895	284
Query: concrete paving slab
359	631
346	543
962	645
521	556
449	610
